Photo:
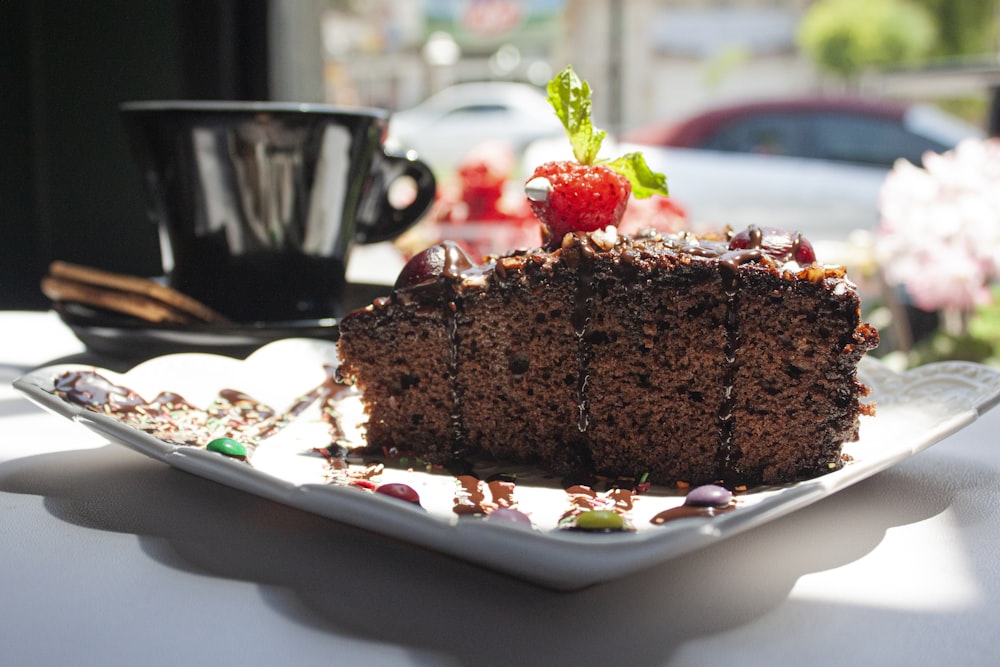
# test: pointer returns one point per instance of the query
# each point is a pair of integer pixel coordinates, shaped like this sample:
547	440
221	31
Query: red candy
400	491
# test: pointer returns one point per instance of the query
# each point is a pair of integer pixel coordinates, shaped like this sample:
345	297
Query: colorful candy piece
227	447
709	495
508	515
600	520
400	491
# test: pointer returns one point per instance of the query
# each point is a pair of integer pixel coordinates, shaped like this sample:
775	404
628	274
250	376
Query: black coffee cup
259	203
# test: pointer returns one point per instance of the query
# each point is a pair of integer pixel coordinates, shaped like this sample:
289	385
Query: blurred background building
650	58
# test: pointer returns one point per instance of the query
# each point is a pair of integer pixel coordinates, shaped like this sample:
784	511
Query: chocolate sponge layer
669	358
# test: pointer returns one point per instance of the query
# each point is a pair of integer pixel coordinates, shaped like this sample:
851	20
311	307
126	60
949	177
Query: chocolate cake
677	359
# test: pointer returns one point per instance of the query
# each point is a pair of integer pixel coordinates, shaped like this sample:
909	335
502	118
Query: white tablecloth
110	558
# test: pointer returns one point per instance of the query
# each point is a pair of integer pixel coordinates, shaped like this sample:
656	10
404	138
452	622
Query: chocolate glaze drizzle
455	267
582	308
687	512
438	274
458	430
89	389
728	455
172	418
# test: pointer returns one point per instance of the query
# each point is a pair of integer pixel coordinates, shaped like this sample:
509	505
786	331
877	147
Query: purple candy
508	515
709	495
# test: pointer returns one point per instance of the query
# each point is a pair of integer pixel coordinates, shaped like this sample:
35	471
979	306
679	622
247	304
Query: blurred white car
446	126
811	165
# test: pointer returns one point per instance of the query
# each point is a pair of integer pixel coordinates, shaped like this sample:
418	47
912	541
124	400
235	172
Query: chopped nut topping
605	238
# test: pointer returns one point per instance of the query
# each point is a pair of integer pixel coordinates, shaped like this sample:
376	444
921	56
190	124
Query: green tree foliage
846	36
965	27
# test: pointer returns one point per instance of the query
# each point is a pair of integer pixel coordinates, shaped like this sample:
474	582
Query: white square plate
915	410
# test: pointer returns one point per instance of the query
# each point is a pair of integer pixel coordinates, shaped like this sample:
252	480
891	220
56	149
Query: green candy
600	520
227	446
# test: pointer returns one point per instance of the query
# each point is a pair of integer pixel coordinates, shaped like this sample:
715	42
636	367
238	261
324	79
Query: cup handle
386	221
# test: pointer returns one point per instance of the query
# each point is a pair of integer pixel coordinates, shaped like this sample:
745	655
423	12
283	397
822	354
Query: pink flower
939	234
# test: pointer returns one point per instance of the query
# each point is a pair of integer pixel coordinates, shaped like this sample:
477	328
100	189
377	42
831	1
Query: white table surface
110	558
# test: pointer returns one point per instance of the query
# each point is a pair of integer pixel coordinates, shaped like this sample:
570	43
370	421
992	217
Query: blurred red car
855	131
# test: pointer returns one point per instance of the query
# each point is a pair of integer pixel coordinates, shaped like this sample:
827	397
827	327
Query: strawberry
577	197
587	194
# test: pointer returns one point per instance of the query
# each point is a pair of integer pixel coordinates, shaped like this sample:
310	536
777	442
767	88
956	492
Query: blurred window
834	136
868	140
773	134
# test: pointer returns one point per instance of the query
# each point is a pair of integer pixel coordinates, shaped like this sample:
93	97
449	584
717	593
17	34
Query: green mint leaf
645	181
570	97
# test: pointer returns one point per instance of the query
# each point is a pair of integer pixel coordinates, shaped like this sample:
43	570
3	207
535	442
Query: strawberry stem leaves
570	98
645	181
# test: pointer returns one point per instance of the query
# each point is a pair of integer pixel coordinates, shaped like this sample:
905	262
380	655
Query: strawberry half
588	194
572	197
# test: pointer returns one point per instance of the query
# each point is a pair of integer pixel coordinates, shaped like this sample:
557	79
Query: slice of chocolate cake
680	359
688	360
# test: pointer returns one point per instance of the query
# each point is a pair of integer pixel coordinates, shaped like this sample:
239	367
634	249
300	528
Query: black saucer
120	336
